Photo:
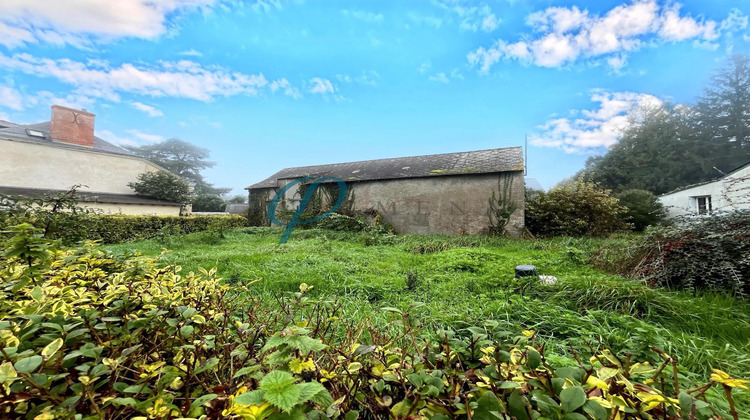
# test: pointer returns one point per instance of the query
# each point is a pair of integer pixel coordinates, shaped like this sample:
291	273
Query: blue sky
271	84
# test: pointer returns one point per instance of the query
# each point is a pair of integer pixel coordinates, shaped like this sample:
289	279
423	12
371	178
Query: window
703	204
35	133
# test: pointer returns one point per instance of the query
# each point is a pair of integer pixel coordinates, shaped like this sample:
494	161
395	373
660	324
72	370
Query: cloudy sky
269	84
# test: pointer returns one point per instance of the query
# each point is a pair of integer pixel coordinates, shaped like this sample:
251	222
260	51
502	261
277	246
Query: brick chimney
72	126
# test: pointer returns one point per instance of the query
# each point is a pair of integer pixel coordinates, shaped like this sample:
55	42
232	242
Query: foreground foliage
88	333
711	252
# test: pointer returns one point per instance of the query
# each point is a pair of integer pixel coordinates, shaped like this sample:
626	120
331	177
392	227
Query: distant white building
728	193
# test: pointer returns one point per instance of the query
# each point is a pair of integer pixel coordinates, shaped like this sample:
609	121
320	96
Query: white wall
729	193
31	165
133	209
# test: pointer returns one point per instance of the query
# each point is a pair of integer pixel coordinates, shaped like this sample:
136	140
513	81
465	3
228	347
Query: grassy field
459	281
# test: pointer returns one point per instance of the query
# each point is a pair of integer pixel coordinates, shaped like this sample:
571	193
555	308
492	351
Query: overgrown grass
458	281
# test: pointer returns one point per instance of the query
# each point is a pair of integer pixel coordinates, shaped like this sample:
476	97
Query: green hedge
116	229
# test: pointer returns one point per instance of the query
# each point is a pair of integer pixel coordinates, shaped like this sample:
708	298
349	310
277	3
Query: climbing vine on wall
501	205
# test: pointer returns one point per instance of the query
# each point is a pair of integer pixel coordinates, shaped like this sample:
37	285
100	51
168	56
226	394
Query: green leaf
533	358
351	415
284	398
210	364
37	294
415	379
28	364
7	372
280	390
130	402
186	330
305	344
246	370
52	348
517	405
277	379
595	410
203	399
574	416
572	398
488	407
250	398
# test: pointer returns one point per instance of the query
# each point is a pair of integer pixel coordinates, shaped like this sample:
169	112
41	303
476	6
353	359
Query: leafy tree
657	152
724	112
643	208
162	185
208	202
184	159
666	146
578	209
238	199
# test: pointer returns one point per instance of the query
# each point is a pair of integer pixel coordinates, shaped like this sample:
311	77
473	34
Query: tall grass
467	280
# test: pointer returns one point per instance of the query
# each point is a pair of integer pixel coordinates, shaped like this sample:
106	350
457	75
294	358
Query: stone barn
445	193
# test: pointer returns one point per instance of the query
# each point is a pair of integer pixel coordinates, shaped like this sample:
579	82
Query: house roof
698	184
13	131
86	196
474	162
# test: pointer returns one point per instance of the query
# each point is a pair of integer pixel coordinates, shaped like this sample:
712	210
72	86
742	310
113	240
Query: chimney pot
72	126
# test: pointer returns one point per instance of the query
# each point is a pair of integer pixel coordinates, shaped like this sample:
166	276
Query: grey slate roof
475	162
12	131
86	196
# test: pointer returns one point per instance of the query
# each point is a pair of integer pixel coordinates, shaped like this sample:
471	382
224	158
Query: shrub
87	334
162	185
576	209
710	252
643	208
116	229
340	222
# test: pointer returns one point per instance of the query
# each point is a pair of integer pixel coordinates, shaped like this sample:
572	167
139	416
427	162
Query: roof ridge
402	157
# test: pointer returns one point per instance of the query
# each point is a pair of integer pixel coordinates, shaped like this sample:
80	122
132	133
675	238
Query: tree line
669	146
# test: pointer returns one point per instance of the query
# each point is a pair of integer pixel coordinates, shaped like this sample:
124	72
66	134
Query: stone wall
451	204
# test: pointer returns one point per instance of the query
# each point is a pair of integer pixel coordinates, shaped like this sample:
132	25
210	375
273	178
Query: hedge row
115	229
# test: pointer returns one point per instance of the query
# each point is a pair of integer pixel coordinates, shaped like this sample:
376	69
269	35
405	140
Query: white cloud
72	100
364	16
736	21
79	21
367	78
286	87
11	98
321	86
266	6
424	67
181	79
597	129
566	35
470	15
4	116
431	21
192	53
148	109
440	78
677	28
150	138
115	139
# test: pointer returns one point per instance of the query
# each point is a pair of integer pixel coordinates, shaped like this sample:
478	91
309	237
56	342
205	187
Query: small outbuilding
729	193
445	193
